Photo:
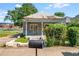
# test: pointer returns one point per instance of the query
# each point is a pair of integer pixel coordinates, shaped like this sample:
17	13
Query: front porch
35	28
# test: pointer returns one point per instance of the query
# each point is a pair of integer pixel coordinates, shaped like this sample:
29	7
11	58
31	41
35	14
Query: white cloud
49	6
2	16
18	5
60	5
57	5
3	13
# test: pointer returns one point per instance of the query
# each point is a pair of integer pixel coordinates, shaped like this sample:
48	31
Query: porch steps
36	37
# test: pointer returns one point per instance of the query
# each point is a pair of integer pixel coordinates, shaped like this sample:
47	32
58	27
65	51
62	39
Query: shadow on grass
16	35
70	53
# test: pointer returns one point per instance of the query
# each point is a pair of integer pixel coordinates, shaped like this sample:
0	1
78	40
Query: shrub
72	35
22	40
55	33
74	22
77	38
49	37
50	42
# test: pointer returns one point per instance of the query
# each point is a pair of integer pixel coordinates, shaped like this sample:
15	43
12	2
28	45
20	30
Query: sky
70	9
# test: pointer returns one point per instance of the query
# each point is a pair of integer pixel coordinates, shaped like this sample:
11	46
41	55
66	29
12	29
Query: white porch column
26	29
42	29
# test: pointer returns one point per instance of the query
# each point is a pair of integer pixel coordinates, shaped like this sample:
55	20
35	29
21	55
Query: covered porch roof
43	16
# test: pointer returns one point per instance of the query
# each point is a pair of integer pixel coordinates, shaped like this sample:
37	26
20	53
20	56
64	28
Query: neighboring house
67	20
34	24
6	25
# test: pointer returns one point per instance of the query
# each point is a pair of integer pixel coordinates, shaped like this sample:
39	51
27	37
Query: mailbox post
36	44
36	51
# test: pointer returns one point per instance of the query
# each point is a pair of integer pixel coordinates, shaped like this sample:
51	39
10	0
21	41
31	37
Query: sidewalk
52	51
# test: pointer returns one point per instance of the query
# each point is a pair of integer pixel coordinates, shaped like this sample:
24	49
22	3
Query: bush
74	22
56	34
60	34
49	37
22	40
72	35
77	38
50	42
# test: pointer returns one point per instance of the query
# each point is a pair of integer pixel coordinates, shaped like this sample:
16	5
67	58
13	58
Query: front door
34	28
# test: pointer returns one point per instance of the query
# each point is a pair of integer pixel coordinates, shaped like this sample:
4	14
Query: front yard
9	35
4	33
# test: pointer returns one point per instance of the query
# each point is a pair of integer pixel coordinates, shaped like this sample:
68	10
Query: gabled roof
42	16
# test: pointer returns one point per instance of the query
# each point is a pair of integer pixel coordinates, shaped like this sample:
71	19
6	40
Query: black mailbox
36	43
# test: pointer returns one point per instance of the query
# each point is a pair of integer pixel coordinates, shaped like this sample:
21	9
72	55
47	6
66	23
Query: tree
18	13
74	21
60	14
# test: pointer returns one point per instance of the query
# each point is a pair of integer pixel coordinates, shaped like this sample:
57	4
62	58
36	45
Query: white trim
42	29
34	20
24	24
26	27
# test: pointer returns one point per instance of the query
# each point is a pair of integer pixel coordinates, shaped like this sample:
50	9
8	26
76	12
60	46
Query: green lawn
4	33
22	40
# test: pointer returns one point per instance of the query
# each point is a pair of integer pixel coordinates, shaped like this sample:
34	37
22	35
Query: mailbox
36	43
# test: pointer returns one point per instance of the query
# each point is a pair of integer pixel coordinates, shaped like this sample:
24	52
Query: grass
22	40
4	33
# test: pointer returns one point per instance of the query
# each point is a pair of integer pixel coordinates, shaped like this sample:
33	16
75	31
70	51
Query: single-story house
34	24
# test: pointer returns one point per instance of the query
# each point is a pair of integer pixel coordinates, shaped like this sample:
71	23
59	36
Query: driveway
52	51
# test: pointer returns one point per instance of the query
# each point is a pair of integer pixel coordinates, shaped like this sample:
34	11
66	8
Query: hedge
55	33
73	35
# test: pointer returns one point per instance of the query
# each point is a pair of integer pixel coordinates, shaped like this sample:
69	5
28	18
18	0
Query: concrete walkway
6	39
52	51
